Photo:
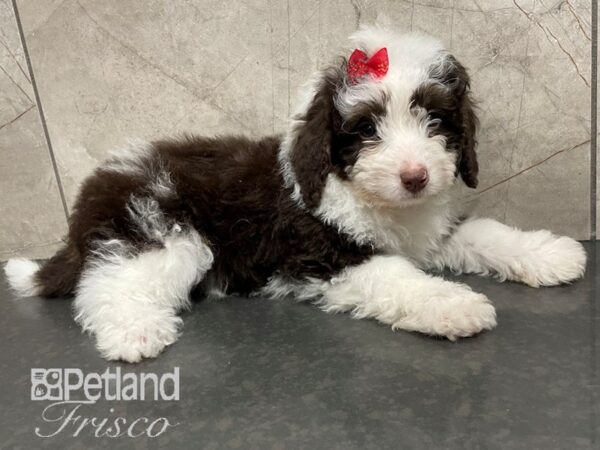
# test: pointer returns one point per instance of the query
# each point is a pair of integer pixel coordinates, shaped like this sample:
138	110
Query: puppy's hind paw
132	344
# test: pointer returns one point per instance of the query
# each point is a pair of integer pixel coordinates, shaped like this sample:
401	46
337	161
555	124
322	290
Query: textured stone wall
109	70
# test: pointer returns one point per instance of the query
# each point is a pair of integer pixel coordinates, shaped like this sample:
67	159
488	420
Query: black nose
414	179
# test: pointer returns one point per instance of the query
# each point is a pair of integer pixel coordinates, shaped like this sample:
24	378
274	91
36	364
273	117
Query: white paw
459	313
550	261
142	338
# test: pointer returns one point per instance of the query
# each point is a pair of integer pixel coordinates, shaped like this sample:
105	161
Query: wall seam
40	109
594	123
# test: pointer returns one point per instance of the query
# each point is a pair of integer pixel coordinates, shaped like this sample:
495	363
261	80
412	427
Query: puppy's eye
434	121
366	129
434	117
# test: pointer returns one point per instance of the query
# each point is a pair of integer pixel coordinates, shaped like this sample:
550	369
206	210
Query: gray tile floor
268	374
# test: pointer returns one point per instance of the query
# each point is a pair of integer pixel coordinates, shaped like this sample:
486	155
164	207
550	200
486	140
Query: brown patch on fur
347	142
58	276
231	191
325	141
235	198
436	98
449	100
372	110
310	155
99	214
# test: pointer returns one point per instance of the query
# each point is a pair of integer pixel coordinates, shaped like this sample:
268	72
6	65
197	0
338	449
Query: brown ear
468	166
457	79
310	153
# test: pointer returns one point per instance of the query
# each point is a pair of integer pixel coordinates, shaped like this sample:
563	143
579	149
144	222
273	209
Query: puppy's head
398	128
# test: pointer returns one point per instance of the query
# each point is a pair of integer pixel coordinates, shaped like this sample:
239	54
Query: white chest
414	231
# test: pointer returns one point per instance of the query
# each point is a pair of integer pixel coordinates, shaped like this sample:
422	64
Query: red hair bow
359	65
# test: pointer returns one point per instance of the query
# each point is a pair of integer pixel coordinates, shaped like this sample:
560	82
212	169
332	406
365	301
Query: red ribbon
359	65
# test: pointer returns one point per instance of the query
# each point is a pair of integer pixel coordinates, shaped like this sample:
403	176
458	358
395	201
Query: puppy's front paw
144	338
459	313
552	260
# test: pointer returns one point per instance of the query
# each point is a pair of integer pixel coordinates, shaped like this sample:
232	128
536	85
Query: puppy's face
397	138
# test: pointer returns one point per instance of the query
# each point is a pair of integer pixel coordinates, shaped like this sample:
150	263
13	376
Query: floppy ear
310	152
457	79
468	166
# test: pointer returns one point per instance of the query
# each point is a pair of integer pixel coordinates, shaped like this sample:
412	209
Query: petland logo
71	390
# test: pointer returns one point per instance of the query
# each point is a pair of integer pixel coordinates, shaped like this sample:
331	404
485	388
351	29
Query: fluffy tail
20	274
56	277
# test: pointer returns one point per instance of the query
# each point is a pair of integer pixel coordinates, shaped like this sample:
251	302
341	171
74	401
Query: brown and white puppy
346	210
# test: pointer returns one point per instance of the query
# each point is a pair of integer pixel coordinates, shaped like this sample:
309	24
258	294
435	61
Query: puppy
347	210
